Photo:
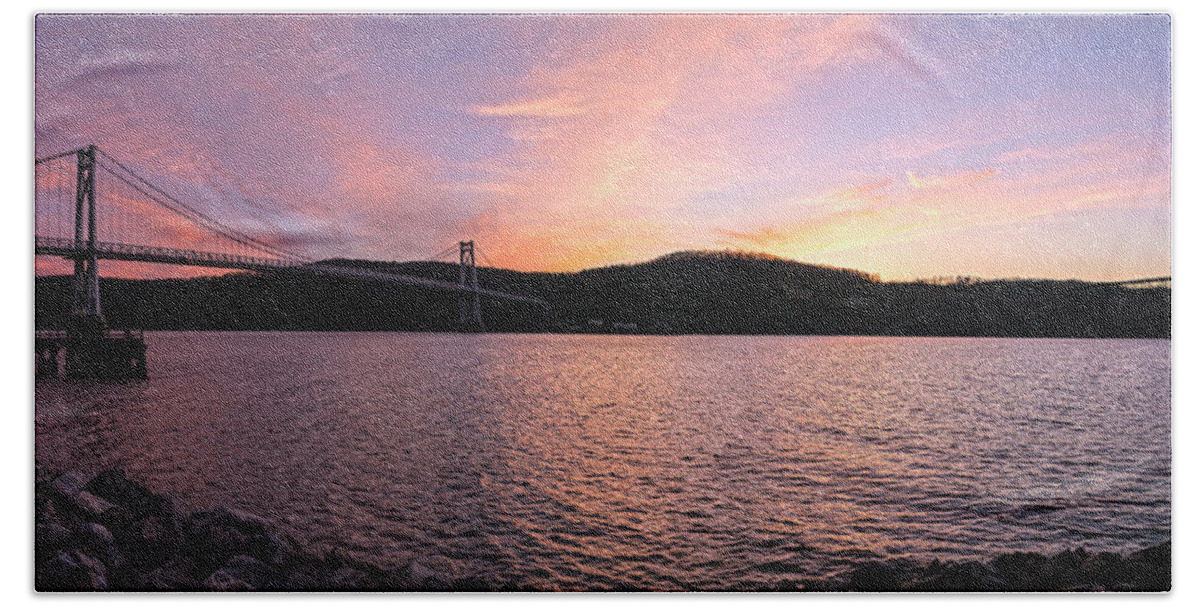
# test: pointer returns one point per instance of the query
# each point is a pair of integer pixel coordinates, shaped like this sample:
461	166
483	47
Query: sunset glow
903	145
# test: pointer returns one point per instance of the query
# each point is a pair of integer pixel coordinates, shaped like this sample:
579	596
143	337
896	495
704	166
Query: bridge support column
469	316
86	302
91	352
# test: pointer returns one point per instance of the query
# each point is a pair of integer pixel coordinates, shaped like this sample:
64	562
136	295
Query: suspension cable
445	252
188	212
233	237
485	257
177	206
198	215
46	159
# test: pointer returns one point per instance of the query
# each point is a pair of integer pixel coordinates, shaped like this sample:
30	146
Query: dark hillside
685	292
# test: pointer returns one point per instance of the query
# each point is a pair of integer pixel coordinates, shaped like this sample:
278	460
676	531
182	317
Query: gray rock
99	541
223	533
300	580
966	576
1022	571
161	579
246	568
281	549
167	507
73	571
878	576
421	577
248	521
112	485
113	558
242	521
93	505
347	579
222	580
50	537
398	579
217	542
153	541
70	484
95	535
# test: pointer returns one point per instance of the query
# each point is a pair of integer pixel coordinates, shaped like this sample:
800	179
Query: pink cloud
613	144
605	139
275	128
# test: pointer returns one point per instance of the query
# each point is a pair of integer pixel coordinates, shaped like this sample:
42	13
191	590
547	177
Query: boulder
50	537
163	579
1103	570
70	484
93	506
420	577
72	571
99	541
223	533
1022	571
1064	570
243	567
280	549
1150	569
878	576
95	536
153	541
41	474
301	580
960	576
222	580
347	579
113	486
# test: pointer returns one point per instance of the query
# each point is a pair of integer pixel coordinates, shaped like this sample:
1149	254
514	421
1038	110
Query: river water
592	462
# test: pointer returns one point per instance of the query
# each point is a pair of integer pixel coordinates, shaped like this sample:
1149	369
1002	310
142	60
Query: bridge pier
89	351
46	361
93	353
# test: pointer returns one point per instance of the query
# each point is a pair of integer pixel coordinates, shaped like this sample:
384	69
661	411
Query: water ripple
618	462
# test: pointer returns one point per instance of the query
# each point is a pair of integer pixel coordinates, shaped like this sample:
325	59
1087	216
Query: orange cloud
1105	172
832	232
612	146
837	219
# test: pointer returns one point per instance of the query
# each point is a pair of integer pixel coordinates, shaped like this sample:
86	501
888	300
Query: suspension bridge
134	220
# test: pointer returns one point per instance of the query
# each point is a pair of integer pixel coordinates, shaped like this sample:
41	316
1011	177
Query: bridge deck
181	257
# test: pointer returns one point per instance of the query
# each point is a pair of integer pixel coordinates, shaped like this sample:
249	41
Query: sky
903	145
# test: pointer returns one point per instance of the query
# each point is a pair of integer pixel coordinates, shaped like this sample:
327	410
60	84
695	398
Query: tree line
681	293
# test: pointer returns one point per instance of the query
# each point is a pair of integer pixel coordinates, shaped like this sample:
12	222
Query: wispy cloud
944	181
561	105
563	142
638	131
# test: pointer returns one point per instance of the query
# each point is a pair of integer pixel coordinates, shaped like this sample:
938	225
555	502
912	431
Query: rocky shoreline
105	532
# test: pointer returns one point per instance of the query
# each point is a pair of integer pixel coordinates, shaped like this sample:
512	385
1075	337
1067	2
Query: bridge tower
469	316
85	307
91	353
